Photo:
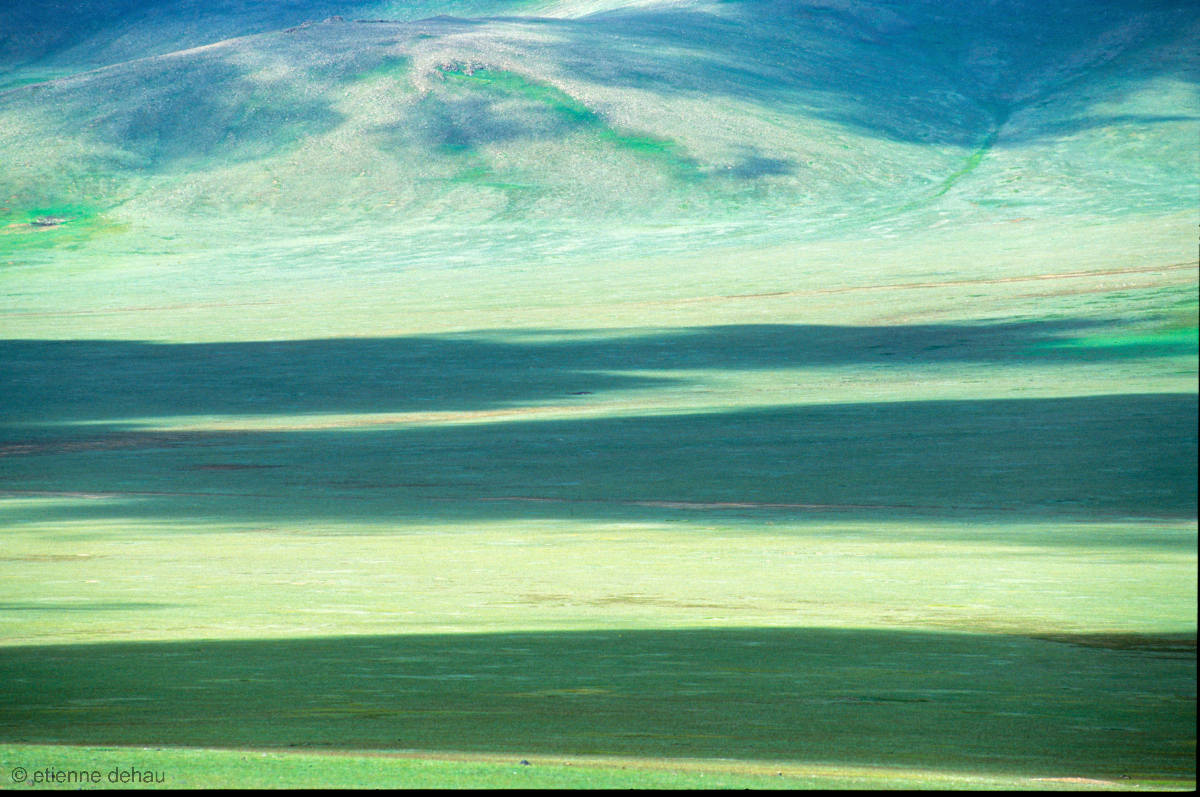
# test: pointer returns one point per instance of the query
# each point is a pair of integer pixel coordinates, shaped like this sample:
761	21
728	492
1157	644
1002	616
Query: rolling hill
778	392
793	121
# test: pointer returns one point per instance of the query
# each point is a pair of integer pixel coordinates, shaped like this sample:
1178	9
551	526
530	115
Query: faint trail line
948	283
119	440
1184	644
141	309
693	504
125	493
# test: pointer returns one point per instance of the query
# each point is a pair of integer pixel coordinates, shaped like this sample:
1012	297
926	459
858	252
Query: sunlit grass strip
664	152
182	768
1170	341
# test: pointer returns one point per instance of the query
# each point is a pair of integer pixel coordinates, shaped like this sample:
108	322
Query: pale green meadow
459	409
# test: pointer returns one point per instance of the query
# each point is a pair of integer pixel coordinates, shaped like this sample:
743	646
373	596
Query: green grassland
161	767
660	394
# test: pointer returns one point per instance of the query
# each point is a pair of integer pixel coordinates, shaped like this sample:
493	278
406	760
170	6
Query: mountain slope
817	116
580	162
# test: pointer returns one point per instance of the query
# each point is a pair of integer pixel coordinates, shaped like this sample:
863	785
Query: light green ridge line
973	160
666	152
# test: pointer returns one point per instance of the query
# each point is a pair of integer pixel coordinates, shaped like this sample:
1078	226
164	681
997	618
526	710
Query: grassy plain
964	553
685	426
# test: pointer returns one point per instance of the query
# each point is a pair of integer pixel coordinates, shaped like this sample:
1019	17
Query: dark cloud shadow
181	113
1121	705
93	33
751	165
73	410
71	381
977	463
926	72
469	123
